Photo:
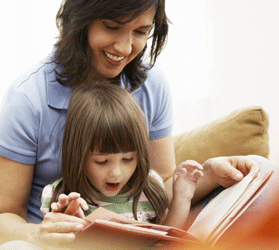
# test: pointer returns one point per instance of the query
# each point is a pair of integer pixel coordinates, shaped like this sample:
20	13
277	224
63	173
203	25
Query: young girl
105	159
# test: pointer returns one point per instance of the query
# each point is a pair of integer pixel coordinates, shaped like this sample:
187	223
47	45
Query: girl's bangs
113	137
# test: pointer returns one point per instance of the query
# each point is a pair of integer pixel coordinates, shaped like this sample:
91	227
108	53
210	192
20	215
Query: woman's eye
143	33
111	27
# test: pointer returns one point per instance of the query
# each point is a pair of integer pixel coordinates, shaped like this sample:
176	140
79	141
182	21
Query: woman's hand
65	220
226	171
71	204
59	228
223	171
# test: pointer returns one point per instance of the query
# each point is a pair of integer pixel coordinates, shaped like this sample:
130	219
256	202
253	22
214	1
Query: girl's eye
101	162
128	159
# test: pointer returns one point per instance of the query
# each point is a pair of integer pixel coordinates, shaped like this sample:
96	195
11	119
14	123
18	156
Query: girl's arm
15	186
185	181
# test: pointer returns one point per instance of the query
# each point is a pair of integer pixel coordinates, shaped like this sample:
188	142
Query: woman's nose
123	44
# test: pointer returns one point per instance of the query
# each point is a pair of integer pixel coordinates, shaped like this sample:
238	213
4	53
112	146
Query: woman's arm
162	160
15	186
223	171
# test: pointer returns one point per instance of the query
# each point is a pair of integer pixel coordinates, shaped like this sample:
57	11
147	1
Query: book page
132	227
214	212
103	218
253	190
104	214
226	207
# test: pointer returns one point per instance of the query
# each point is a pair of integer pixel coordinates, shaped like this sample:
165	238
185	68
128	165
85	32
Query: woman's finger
224	168
53	217
245	165
62	227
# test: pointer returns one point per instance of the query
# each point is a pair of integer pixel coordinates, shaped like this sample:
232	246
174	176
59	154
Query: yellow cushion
243	132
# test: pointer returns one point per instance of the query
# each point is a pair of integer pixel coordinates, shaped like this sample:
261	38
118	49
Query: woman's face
114	43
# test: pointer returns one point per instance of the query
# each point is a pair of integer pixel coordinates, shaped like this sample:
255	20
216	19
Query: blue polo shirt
33	114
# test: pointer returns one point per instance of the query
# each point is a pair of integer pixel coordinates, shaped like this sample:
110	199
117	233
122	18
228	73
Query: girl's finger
179	171
80	214
74	196
83	204
74	208
54	207
198	174
190	164
63	200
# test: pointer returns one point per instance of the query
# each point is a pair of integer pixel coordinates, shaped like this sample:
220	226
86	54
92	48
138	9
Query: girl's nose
123	44
115	170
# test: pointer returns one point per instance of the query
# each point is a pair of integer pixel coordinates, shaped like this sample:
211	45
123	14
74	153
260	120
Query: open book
115	230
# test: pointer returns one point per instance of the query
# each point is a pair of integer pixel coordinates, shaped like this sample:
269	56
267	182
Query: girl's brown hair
73	52
107	118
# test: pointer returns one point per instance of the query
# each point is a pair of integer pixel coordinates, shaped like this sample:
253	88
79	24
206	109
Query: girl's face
115	43
109	173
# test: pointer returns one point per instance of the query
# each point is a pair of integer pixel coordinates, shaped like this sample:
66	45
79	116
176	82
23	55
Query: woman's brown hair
107	118
73	52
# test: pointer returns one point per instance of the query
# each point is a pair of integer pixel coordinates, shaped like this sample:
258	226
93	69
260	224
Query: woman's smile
113	57
115	43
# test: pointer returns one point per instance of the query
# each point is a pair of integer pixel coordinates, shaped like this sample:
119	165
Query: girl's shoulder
47	195
157	177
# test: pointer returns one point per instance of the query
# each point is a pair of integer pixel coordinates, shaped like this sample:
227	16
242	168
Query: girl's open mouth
112	186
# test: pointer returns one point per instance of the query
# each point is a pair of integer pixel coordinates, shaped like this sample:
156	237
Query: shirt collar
58	95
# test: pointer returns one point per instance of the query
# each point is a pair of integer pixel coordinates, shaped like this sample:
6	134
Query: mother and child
105	162
100	40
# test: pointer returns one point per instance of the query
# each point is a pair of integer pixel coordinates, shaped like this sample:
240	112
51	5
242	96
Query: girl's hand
226	171
71	204
185	180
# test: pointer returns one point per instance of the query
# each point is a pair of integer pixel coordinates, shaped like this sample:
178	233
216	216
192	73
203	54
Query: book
112	231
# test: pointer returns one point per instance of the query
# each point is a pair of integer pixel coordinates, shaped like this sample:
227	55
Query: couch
242	132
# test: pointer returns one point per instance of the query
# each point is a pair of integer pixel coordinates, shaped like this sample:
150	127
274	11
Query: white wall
221	55
27	31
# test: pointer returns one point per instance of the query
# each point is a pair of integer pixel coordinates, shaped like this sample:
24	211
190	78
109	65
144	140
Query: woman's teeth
113	58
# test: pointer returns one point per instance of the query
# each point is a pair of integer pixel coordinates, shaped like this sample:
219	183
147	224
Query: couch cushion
243	132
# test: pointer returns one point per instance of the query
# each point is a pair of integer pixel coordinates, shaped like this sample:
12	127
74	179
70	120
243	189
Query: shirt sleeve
155	99
157	177
162	123
18	128
46	198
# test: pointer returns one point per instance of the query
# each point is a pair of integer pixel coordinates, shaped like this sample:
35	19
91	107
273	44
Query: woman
98	39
